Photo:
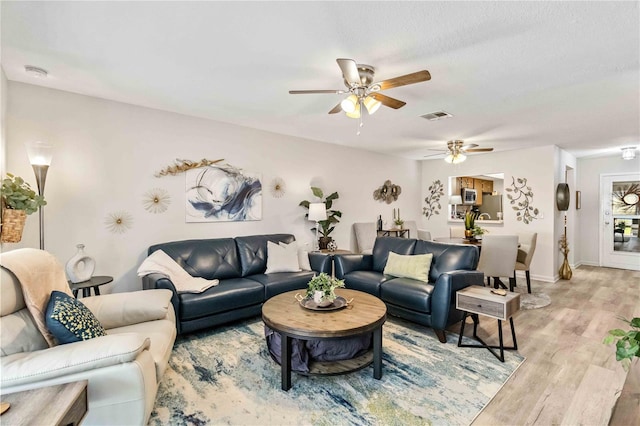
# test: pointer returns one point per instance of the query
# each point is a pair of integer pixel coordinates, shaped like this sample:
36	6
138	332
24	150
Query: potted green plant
322	287
18	201
627	342
478	231
333	216
469	224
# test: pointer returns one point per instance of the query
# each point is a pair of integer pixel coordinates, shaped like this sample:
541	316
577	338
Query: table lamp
317	212
40	154
455	200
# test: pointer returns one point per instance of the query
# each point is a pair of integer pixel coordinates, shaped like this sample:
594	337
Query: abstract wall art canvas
222	194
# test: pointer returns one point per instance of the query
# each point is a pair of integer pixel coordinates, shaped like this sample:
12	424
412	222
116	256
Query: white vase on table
80	267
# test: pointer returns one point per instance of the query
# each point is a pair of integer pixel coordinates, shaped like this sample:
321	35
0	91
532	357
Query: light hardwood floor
569	377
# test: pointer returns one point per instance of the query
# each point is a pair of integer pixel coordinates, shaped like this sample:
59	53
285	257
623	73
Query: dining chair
498	258
366	234
526	248
425	235
412	227
456	232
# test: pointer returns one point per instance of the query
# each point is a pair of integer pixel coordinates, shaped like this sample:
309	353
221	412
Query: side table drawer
480	306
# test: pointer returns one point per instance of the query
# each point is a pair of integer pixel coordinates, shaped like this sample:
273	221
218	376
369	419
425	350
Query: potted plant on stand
326	226
18	201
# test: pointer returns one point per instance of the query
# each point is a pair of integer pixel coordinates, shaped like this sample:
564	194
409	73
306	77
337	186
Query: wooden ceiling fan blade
404	80
479	150
305	92
388	101
349	71
336	109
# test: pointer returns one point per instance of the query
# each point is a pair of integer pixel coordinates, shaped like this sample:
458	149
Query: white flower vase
80	267
321	300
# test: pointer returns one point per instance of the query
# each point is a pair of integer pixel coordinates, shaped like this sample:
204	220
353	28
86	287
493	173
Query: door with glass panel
620	195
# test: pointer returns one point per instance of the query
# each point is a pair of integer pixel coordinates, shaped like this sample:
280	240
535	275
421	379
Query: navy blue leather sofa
431	304
239	263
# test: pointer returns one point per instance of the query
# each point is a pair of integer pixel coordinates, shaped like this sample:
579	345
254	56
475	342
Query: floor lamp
40	154
317	212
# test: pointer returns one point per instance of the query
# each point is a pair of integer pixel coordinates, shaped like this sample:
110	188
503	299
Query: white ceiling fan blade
349	71
306	92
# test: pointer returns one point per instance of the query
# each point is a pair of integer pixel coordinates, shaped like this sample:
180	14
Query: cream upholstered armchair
122	368
366	235
527	246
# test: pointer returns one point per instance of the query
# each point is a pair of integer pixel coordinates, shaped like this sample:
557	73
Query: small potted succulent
18	201
322	287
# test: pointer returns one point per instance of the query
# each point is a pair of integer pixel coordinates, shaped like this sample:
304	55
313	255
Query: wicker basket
12	225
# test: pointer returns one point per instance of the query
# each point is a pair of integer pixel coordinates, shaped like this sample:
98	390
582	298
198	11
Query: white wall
106	154
588	181
537	165
3	122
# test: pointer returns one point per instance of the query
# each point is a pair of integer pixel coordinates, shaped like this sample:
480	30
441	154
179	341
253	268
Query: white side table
476	300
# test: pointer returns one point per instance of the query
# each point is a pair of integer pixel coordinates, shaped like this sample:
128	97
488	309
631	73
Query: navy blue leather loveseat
239	263
431	304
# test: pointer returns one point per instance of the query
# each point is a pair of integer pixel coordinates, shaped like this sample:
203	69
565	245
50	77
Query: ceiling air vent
434	116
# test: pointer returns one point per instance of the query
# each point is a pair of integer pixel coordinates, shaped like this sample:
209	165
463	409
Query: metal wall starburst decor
278	187
119	222
156	200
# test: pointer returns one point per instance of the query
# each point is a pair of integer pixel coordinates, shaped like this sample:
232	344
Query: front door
620	216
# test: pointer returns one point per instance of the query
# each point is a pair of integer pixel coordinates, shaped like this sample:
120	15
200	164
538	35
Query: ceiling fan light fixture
456	158
349	104
371	104
356	112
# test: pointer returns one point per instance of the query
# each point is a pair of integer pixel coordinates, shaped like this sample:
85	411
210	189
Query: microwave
469	196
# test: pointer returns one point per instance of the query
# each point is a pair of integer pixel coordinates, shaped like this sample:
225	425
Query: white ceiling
513	74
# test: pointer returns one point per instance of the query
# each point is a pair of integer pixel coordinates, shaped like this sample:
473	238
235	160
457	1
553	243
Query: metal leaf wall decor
436	191
387	193
181	166
520	197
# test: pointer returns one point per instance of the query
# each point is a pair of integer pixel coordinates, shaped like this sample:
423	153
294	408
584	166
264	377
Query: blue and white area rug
226	376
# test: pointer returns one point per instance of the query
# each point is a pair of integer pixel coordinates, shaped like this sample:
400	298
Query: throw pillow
69	320
282	258
412	266
303	259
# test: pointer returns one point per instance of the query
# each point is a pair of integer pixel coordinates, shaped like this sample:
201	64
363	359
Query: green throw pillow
69	320
413	266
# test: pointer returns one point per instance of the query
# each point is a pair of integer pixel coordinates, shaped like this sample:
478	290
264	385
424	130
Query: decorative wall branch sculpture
387	193
181	166
436	191
521	200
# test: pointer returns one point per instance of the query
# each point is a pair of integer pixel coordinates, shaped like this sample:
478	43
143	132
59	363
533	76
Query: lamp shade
455	199
349	103
40	153
371	104
355	113
317	212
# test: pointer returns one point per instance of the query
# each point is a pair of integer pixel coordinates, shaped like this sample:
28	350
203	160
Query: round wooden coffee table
365	314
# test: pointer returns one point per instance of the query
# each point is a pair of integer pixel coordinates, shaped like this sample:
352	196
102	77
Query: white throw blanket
160	262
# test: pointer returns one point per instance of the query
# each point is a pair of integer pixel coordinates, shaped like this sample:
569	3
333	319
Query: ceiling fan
456	151
363	92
